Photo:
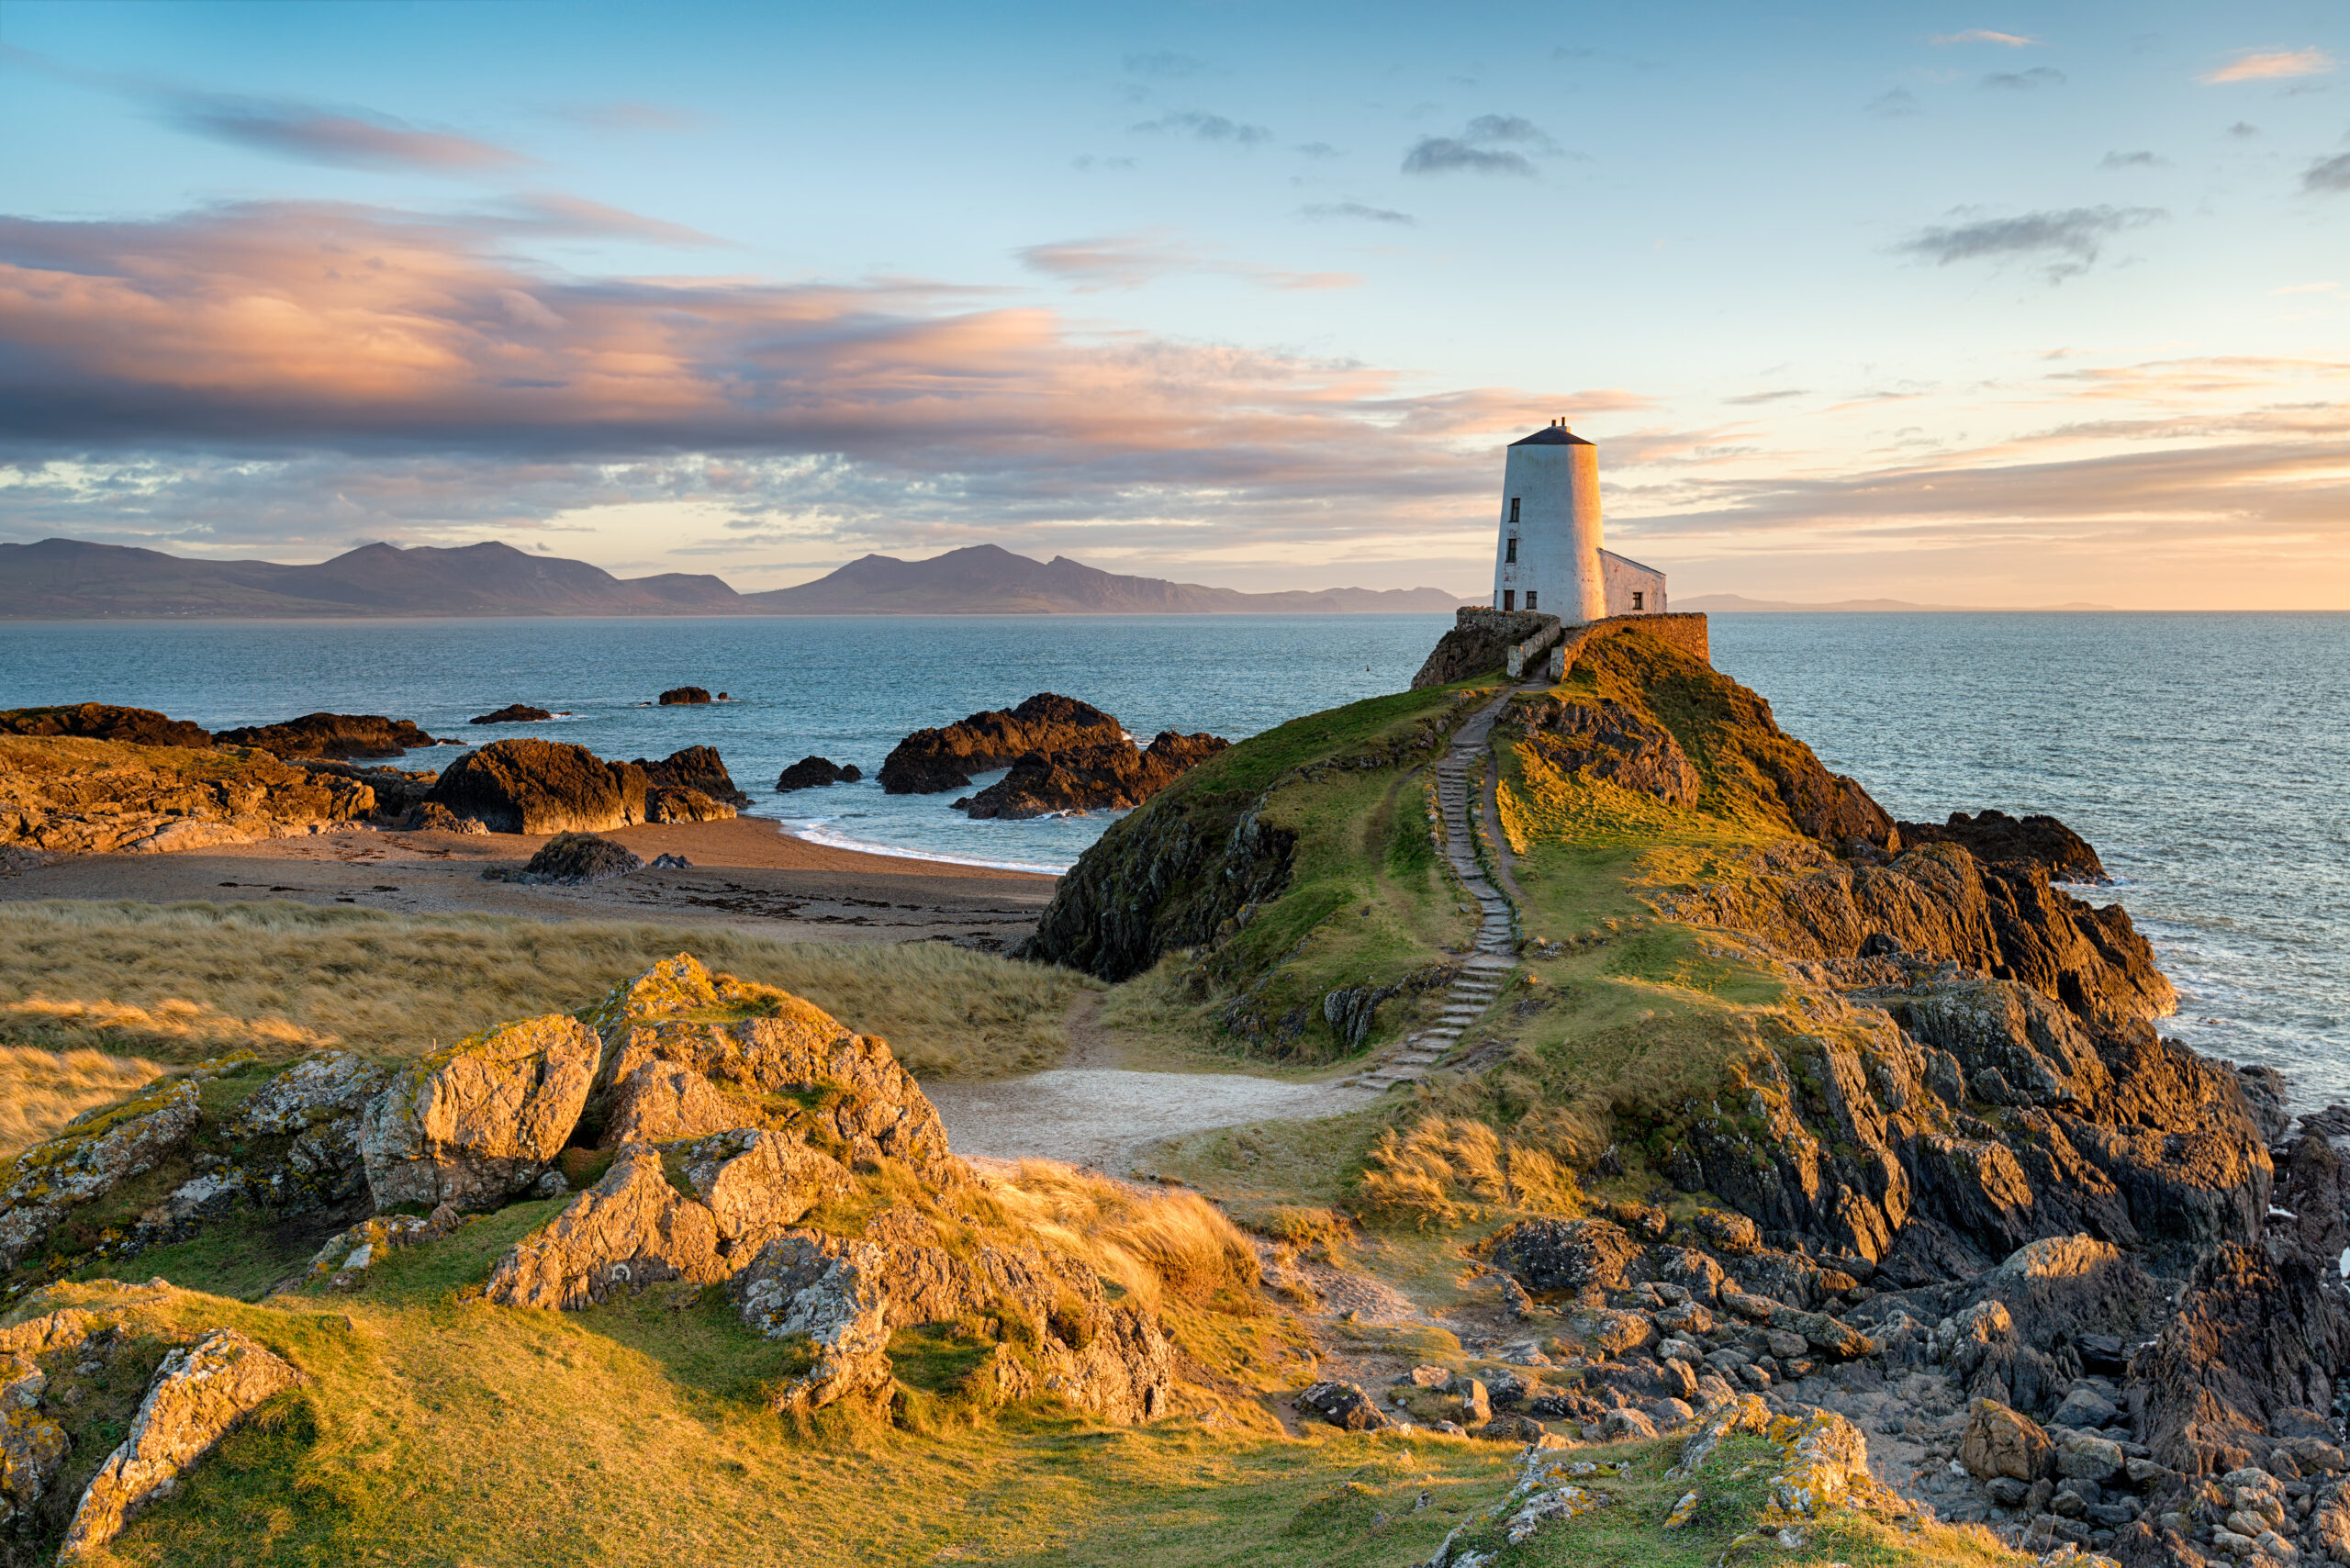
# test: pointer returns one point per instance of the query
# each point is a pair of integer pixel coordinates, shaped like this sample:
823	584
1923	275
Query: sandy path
1089	1112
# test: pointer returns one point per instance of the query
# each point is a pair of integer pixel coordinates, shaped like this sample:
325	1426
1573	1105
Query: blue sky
1994	306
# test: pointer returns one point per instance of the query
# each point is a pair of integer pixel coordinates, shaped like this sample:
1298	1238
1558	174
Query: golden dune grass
41	1091
1150	1242
180	982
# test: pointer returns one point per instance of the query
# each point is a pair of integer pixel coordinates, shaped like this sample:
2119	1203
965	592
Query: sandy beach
744	873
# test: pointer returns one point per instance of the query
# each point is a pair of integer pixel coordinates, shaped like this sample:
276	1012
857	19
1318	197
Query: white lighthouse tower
1549	559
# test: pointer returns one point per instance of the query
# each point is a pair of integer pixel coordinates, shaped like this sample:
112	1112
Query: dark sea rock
929	761
696	767
534	786
512	713
1113	776
571	861
815	773
104	722
684	696
2065	856
331	735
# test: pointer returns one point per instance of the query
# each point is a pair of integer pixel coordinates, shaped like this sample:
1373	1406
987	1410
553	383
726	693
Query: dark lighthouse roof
1552	435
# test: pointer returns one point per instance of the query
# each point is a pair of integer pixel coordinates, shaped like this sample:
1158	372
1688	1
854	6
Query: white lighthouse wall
1632	588
1558	531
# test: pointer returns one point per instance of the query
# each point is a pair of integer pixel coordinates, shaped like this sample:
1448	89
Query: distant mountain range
66	578
1737	604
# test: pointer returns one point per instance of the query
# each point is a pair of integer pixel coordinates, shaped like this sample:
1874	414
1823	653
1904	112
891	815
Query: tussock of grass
1151	1243
1445	1171
41	1091
179	983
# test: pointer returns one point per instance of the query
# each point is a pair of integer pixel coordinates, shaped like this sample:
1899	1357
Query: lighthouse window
1636	600
1530	596
1513	510
1511	557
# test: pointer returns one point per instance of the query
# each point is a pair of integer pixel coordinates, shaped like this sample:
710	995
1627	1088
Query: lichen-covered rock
479	1122
319	1088
631	1229
1999	1441
62	795
662	1102
1343	1404
197	1395
1554	1255
832	1292
95	1153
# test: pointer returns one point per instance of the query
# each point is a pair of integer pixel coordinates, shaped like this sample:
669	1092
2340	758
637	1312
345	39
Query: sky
1967	303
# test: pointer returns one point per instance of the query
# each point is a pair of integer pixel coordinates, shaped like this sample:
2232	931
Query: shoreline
745	873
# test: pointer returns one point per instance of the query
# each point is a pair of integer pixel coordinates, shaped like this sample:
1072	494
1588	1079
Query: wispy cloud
1487	145
1323	210
1318	150
1893	104
2131	160
1130	261
1983	35
351	139
1205	127
2271	66
2074	235
555	213
2030	80
1749	400
2328	175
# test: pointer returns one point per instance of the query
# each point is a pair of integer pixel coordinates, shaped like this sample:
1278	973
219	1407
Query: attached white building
1549	559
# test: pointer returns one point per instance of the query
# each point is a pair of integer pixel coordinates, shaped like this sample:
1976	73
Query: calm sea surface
2205	755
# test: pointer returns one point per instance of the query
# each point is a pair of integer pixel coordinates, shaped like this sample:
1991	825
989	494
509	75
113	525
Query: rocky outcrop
815	773
1995	837
697	769
1607	741
534	786
342	736
198	1395
684	696
399	791
512	713
66	796
478	1122
104	721
571	861
1114	776
1480	642
98	1152
1878	926
931	760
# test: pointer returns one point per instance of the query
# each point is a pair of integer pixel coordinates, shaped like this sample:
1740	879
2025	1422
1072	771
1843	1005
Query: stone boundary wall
1687	633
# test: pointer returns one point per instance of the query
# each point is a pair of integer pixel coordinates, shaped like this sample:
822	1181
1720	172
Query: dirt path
1089	1112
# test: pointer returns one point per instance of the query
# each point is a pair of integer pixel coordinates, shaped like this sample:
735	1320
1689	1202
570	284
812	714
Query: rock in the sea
104	721
684	696
1111	775
198	1394
331	735
815	772
2039	840
571	861
479	1121
512	713
697	768
931	760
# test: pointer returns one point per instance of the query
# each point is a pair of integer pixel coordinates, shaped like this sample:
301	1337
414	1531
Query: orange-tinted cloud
2271	66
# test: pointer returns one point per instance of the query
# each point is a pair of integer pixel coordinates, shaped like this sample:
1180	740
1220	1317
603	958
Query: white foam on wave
817	833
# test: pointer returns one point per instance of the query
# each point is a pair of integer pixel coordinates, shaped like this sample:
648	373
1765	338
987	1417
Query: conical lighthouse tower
1549	558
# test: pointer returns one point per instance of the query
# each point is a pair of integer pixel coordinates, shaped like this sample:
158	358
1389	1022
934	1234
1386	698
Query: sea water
2204	755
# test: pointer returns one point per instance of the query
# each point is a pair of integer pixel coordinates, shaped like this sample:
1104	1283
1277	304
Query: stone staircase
1495	951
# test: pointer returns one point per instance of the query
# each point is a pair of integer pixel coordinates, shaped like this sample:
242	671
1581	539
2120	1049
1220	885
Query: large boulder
1564	1255
1108	776
1999	1441
698	768
198	1394
534	786
104	721
815	773
571	861
331	735
478	1122
931	760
